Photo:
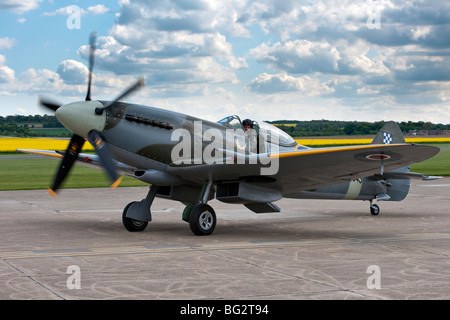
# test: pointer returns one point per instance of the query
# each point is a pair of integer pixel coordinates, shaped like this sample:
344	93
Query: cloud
70	81
299	56
73	72
69	10
37	81
400	63
315	59
365	90
7	75
304	57
19	7
6	43
173	43
203	16
425	69
64	11
267	84
320	50
22	110
98	9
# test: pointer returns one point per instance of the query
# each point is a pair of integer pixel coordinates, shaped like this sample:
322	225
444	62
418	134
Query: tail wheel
374	209
202	220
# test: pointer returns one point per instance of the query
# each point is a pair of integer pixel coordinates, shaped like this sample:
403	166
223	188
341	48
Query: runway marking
52	253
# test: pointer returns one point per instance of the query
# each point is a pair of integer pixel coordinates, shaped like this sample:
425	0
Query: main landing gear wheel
202	219
374	209
132	225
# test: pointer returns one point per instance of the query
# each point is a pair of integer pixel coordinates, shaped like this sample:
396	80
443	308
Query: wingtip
116	183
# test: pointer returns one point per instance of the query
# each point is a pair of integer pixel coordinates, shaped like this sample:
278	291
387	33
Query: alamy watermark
374	19
232	146
374	280
74	19
74	280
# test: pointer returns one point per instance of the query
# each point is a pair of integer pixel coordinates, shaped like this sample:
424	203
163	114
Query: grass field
30	172
439	165
19	171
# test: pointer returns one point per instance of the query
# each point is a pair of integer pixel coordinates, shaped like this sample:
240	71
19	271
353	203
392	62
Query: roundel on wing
378	156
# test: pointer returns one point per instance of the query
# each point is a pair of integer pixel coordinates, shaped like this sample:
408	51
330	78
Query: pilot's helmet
247	122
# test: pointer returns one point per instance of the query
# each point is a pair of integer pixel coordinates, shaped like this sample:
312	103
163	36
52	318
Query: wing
312	168
322	167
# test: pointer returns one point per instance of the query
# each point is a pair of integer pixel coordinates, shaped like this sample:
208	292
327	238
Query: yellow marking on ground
225	246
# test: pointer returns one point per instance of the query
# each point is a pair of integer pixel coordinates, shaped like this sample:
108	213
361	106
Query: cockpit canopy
264	129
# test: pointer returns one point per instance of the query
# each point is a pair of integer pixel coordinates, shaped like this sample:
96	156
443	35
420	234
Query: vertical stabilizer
389	134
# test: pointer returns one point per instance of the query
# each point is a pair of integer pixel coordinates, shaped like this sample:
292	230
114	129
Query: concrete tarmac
75	247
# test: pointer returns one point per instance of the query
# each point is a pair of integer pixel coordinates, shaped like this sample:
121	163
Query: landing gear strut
201	217
136	214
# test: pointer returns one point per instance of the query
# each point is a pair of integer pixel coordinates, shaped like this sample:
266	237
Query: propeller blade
71	154
139	84
101	148
52	105
91	63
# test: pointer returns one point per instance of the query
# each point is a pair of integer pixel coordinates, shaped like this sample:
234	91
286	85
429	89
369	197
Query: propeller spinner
87	120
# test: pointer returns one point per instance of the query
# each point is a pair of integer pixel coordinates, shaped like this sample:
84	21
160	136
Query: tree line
22	126
336	128
47	121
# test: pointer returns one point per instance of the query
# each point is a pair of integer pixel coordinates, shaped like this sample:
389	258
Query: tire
132	225
202	220
375	210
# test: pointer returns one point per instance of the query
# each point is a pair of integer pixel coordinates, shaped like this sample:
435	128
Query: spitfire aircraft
191	160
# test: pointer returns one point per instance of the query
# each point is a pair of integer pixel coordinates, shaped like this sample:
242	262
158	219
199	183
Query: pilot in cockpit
247	124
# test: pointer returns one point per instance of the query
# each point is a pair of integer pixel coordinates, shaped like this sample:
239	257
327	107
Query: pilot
247	124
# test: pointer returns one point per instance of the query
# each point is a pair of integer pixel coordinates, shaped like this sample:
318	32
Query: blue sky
262	59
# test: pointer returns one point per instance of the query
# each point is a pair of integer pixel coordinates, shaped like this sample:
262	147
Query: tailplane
389	134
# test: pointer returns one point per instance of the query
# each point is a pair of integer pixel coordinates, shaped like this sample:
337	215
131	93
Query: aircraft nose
80	117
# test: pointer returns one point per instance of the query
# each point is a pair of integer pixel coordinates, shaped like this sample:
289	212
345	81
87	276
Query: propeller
102	150
49	104
94	136
139	84
71	154
91	63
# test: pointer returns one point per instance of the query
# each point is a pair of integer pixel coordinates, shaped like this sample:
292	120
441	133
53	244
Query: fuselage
156	140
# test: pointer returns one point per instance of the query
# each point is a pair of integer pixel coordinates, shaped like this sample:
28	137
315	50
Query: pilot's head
247	124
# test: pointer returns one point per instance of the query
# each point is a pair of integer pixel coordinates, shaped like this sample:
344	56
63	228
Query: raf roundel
378	156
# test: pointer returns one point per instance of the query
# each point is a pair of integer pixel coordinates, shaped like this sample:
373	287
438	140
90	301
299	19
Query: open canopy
273	134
